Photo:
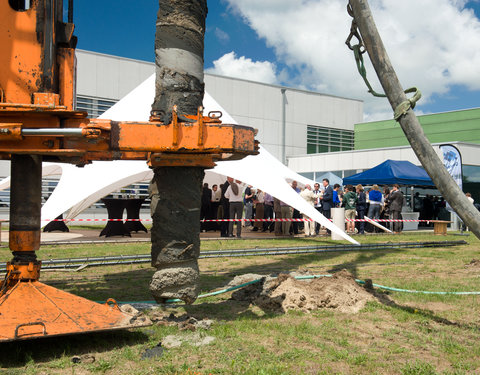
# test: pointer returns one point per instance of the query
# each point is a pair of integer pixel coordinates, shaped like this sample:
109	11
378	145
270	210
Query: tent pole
411	198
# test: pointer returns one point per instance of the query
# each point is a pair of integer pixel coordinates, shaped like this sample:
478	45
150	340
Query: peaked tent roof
392	172
332	178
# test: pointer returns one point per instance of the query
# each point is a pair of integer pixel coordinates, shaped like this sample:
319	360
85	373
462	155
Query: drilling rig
38	122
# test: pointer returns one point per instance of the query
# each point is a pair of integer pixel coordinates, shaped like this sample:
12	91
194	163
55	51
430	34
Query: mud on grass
397	334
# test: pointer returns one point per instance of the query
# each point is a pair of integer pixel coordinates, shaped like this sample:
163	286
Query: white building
347	163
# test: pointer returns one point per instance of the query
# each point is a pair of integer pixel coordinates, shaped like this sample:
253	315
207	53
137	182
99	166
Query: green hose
418	291
309	277
218	291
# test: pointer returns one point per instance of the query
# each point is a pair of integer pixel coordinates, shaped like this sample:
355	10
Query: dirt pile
474	263
339	292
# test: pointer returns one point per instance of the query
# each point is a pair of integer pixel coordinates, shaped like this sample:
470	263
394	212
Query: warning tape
259	220
97	220
300	220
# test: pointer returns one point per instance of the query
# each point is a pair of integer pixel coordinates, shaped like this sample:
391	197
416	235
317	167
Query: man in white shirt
317	193
308	195
216	195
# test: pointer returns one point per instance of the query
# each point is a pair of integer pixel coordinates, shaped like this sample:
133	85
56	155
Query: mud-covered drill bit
176	193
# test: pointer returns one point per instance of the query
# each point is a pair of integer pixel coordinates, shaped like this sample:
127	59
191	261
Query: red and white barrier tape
260	220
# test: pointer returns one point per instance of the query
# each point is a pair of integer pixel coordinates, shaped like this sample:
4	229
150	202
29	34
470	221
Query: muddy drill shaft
176	191
179	49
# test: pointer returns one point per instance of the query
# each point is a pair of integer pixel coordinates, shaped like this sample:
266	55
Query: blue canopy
392	172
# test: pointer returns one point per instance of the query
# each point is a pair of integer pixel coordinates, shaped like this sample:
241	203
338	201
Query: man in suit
397	200
225	204
327	199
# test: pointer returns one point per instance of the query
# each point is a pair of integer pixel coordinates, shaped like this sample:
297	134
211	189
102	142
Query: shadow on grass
386	300
226	310
131	286
20	353
362	258
294	262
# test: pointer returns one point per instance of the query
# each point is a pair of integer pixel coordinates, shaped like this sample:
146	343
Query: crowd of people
231	201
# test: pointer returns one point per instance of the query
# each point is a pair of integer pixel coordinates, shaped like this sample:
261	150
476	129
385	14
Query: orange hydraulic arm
79	140
38	122
37	117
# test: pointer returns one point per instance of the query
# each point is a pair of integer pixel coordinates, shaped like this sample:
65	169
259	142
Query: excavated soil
474	263
339	292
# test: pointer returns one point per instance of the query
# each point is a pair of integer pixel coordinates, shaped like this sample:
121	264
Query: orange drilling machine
38	122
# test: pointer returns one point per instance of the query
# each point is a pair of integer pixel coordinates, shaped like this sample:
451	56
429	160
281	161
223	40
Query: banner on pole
452	160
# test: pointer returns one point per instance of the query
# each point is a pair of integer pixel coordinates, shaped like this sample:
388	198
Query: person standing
287	213
259	209
327	200
361	208
318	203
397	200
336	197
376	200
248	205
268	212
216	196
350	200
225	208
385	212
308	195
235	198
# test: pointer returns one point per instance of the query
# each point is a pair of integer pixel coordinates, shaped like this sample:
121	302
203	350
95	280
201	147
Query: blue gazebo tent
392	172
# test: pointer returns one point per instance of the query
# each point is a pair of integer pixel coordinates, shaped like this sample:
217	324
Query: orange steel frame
37	82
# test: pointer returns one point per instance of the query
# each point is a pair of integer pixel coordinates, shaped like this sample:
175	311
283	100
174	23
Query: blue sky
127	28
299	43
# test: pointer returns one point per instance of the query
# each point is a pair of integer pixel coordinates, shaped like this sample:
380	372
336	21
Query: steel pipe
77	132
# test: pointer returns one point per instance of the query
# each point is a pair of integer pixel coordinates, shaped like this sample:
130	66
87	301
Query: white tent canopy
79	188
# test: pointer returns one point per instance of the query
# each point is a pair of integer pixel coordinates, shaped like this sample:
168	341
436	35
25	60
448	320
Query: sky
432	44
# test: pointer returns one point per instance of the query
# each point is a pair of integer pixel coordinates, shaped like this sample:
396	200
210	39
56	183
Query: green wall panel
441	127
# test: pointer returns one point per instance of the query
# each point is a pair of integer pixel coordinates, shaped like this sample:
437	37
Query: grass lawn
401	333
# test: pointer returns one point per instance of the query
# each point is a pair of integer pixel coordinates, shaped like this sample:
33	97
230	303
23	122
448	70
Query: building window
321	139
308	175
93	106
349	172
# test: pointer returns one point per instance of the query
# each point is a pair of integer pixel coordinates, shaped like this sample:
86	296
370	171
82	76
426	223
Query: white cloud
242	67
221	35
433	44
